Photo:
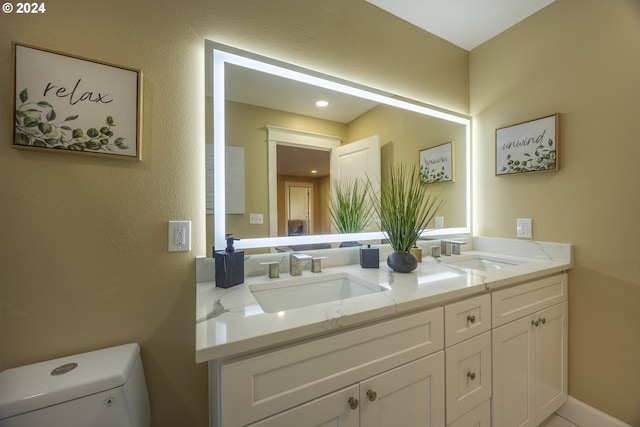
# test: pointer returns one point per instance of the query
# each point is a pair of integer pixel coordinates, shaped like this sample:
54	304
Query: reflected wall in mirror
251	94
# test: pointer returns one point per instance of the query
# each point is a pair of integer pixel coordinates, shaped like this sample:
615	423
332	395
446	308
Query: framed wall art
69	104
528	147
436	164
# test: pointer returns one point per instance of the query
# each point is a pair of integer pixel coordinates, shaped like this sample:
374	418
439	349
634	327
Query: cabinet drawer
468	375
466	319
260	386
522	300
479	416
330	410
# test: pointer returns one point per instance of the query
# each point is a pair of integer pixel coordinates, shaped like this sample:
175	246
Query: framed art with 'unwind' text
528	147
436	164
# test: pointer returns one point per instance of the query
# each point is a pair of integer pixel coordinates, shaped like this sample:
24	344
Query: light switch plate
524	228
179	236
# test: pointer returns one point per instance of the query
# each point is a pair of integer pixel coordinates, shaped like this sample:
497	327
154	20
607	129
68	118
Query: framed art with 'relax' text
70	104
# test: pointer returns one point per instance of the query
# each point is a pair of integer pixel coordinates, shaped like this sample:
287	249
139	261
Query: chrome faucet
296	261
448	247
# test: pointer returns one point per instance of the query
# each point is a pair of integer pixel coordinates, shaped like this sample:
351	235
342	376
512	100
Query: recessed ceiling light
322	104
314	171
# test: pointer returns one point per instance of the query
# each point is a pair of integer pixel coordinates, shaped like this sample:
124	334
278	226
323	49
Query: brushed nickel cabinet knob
353	403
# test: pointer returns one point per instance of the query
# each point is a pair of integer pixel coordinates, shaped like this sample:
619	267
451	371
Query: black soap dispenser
369	257
229	265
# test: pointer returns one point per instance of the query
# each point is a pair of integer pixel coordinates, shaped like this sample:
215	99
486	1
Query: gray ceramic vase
402	262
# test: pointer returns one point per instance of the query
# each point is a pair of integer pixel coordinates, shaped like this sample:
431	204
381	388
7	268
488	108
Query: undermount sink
304	291
482	263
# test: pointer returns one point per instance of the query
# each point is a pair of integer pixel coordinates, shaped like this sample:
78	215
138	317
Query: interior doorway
299	208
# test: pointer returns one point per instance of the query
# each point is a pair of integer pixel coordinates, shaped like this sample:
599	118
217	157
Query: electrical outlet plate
524	228
179	236
256	218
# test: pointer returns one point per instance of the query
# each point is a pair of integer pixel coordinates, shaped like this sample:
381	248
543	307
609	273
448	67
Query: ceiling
465	23
270	91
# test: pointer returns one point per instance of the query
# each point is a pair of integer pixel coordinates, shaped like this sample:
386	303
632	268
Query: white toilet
104	388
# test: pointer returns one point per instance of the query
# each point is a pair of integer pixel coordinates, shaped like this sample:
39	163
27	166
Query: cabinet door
407	396
339	409
551	360
513	382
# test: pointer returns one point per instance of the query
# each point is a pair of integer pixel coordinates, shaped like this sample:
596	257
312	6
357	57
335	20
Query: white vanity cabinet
497	358
468	361
371	376
529	351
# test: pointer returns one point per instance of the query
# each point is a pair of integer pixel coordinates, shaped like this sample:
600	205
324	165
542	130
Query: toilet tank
102	388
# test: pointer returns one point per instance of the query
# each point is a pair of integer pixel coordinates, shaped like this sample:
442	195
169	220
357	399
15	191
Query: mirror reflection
292	150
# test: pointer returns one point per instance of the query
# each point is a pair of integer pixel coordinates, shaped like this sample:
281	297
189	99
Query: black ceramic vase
402	262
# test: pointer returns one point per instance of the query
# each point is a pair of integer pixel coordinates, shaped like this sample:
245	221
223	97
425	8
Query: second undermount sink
482	263
309	290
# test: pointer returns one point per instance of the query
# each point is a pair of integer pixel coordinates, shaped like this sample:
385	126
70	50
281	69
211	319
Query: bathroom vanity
476	339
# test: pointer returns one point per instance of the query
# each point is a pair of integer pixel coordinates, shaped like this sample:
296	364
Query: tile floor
557	421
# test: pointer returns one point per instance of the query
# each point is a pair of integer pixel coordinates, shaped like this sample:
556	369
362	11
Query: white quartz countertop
231	322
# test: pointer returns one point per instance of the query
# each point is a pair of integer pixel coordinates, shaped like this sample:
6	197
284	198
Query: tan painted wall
581	59
83	259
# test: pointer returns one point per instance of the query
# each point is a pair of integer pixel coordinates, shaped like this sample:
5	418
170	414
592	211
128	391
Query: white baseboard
584	415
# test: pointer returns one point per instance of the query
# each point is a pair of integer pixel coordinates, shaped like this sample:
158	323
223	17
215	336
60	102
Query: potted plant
404	208
349	206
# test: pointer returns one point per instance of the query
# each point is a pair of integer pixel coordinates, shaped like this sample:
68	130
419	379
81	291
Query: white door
411	395
299	207
359	159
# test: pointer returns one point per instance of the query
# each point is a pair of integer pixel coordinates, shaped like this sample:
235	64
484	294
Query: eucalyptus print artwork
542	159
37	125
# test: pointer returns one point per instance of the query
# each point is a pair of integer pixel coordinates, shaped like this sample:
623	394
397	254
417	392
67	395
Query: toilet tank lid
43	384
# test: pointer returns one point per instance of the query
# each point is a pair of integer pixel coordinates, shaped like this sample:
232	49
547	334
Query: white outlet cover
256	218
171	236
524	228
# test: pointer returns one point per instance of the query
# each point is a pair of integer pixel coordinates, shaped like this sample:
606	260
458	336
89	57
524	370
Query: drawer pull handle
471	375
543	320
471	318
372	395
353	403
535	323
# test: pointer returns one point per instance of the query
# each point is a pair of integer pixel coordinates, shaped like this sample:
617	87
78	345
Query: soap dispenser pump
229	265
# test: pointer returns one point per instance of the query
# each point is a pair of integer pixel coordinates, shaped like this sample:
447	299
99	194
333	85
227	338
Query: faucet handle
274	268
316	264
